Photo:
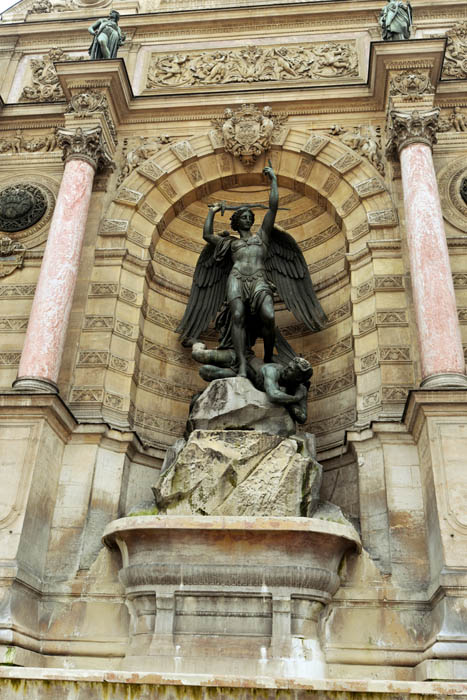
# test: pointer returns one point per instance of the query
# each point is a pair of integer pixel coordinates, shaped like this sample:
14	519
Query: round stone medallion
26	207
21	206
452	181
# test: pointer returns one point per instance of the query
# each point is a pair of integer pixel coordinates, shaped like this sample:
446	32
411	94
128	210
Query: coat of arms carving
248	132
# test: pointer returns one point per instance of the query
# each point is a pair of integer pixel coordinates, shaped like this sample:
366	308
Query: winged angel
235	280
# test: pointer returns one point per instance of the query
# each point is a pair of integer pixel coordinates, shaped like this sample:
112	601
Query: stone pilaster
84	151
411	136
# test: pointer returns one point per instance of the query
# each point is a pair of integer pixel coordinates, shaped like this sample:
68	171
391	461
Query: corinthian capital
84	144
411	127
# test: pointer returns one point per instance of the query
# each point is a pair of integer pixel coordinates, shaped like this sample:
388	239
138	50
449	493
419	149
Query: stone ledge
63	679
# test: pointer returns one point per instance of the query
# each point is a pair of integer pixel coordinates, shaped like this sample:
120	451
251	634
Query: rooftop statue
108	37
396	20
235	280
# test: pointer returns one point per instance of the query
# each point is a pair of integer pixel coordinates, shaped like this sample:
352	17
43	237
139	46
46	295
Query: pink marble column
48	322
441	353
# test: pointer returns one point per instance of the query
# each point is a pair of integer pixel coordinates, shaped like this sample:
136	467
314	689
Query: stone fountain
232	568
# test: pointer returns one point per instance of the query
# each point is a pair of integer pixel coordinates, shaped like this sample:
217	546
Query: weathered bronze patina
396	20
108	37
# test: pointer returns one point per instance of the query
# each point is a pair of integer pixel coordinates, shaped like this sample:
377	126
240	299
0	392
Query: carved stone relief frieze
455	59
251	64
456	121
364	140
248	132
19	143
45	85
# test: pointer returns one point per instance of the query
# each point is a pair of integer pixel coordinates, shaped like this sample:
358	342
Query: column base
38	385
447	380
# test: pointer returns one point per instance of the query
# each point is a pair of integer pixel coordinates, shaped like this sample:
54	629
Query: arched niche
335	197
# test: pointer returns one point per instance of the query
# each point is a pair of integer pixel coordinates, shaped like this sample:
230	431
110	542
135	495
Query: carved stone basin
223	594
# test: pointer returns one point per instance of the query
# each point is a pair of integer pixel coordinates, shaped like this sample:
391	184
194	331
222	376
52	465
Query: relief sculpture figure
396	20
108	37
234	283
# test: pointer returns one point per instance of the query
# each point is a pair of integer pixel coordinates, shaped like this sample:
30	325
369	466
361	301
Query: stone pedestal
33	434
234	595
438	423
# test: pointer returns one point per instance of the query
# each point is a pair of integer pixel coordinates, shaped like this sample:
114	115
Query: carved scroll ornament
252	64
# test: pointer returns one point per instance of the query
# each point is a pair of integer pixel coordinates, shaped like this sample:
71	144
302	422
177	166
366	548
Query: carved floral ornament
251	64
248	132
411	127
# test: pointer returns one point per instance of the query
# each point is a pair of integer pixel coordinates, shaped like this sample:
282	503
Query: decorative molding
333	385
84	144
394	354
411	127
10	359
315	144
340	421
367	188
395	394
117	226
383	218
253	64
17	291
318	357
13	324
346	162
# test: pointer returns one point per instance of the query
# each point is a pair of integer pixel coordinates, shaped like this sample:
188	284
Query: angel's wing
207	291
288	270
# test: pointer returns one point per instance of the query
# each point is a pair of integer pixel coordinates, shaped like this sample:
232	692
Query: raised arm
269	219
208	229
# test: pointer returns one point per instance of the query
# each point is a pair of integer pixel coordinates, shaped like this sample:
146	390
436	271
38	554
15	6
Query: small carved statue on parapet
396	20
108	37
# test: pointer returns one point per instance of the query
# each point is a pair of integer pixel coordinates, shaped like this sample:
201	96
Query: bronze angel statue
234	282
